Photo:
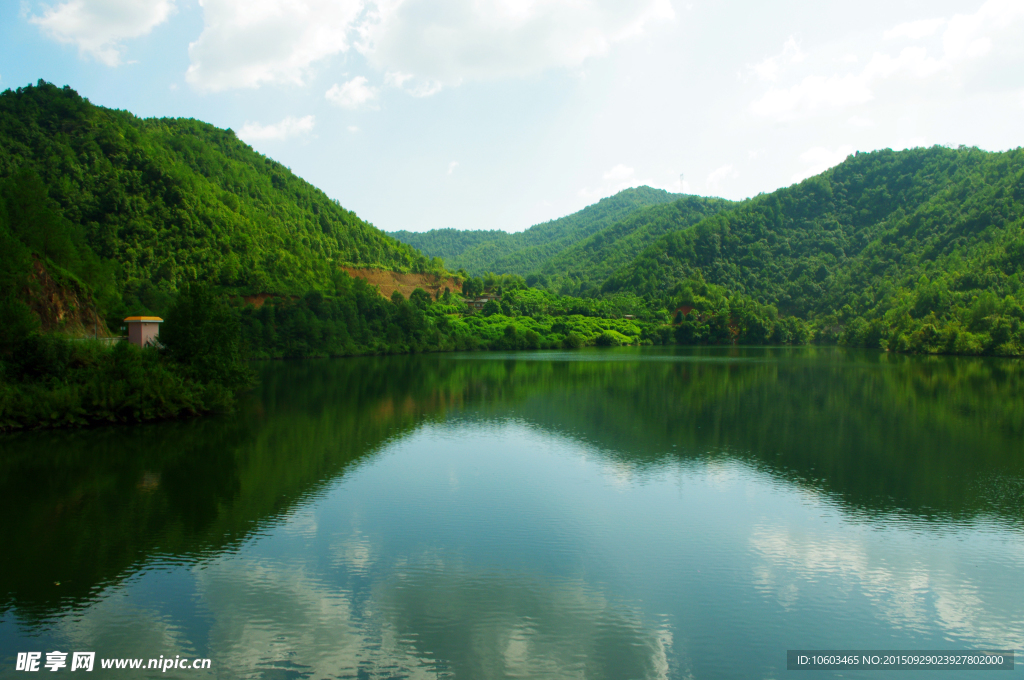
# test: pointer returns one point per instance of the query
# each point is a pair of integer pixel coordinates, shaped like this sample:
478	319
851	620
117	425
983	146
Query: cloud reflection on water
424	616
912	581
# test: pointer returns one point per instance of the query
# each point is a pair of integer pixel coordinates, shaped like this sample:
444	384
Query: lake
622	513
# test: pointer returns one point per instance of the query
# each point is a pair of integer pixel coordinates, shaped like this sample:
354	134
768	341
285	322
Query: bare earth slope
387	282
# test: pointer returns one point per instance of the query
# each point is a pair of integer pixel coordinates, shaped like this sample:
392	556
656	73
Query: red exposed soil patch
258	299
62	307
388	282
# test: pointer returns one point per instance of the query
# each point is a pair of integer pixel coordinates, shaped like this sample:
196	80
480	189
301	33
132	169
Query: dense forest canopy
799	247
522	253
140	206
582	268
919	250
915	250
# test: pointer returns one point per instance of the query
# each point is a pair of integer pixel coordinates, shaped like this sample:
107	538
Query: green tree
420	298
201	333
17	323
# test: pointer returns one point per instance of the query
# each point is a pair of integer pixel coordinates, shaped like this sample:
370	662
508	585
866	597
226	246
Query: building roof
144	319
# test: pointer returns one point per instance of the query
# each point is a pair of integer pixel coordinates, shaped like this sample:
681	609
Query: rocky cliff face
63	307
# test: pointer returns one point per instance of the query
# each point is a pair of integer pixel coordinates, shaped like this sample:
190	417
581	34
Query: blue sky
483	114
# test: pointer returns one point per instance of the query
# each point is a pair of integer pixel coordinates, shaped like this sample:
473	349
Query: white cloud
353	129
286	129
859	121
811	94
98	27
769	68
717	177
426	88
397	78
965	38
417	87
452	166
971	35
819	159
248	43
352	95
913	61
446	43
622	177
915	30
620	173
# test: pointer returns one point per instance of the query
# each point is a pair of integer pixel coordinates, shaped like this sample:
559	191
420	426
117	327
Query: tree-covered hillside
583	267
525	252
450	244
917	250
927	244
143	205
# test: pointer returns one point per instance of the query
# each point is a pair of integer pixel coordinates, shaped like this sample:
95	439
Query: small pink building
143	330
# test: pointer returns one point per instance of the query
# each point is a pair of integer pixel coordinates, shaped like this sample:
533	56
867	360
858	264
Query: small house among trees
479	302
143	330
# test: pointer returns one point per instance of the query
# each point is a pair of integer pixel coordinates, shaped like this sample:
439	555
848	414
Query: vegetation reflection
935	437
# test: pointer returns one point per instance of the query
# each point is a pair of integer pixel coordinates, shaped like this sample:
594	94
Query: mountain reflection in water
619	513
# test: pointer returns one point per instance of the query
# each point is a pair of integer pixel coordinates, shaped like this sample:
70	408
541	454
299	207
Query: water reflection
431	617
891	487
970	592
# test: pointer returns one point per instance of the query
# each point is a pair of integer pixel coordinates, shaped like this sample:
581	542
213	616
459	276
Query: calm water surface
633	513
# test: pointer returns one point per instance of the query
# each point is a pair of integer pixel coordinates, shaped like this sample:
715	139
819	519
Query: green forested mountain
585	265
139	206
926	245
451	244
916	250
525	252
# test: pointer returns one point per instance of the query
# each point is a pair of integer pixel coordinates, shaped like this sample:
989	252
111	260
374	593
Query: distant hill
922	249
136	207
881	216
525	252
582	267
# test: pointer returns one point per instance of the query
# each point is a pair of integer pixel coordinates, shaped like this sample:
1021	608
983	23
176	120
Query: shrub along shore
49	380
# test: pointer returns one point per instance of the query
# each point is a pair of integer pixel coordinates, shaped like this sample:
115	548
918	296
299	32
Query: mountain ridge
521	253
